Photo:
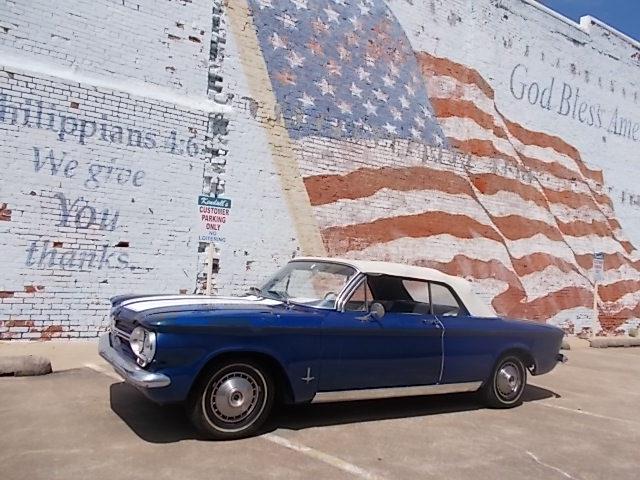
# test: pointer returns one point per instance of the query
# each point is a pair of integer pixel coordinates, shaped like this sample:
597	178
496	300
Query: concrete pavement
579	422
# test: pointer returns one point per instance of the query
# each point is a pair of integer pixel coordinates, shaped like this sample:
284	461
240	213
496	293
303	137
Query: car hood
141	308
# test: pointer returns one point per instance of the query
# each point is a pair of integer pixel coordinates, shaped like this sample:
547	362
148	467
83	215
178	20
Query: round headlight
143	345
136	340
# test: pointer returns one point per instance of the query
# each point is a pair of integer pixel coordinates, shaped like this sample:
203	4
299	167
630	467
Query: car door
469	342
403	348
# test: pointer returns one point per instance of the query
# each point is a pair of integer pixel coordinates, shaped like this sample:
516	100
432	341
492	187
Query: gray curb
606	342
24	366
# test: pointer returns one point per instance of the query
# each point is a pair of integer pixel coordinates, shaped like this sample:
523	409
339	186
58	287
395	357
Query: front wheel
232	401
505	387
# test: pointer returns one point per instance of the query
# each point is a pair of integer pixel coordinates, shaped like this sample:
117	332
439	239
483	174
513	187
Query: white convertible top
462	287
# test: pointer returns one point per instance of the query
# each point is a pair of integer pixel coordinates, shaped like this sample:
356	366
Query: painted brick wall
104	120
441	133
516	173
163	43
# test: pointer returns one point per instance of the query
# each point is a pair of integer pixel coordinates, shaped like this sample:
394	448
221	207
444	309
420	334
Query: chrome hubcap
234	397
508	380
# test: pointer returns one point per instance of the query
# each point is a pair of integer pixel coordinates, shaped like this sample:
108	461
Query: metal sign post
598	275
210	251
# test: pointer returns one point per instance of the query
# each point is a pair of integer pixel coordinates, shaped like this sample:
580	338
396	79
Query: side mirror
376	310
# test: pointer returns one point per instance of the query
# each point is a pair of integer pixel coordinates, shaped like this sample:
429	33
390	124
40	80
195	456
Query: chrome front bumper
128	369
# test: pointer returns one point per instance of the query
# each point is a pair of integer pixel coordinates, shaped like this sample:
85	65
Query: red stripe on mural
324	189
490	184
481	148
580	228
450	108
516	227
615	291
537	262
436	66
339	240
544	140
544	308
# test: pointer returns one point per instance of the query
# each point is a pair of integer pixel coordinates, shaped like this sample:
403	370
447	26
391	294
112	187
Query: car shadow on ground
167	424
299	417
151	422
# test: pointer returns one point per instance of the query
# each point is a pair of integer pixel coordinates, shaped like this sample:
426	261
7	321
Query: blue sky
623	15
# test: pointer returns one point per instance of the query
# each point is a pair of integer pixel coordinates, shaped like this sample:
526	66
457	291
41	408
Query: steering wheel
330	296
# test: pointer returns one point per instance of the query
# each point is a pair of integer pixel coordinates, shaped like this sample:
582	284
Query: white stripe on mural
388	203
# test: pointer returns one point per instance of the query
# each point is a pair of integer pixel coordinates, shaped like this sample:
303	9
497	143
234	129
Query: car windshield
316	284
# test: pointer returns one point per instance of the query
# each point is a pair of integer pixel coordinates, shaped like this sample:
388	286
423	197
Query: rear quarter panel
473	345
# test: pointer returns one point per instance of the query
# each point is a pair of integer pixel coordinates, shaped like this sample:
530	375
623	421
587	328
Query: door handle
433	322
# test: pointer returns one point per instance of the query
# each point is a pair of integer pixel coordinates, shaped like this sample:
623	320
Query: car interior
402	295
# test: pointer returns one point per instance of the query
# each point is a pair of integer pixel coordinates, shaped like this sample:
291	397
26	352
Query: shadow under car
169	423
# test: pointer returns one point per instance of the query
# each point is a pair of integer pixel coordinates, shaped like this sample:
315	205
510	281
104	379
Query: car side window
359	301
400	295
444	302
419	292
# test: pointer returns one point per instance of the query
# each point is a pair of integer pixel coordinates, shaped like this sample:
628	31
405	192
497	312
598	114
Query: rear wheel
233	400
506	385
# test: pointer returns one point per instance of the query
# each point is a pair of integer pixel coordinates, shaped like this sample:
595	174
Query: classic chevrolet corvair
323	329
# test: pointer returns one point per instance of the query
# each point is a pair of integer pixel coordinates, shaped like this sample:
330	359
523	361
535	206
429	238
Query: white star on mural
369	60
363	75
307	100
357	25
343	53
410	90
388	81
325	87
334	68
277	41
288	21
332	15
364	9
380	95
344	107
390	128
355	91
295	60
370	108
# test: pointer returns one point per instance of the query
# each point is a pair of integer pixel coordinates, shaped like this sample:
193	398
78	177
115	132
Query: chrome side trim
348	395
348	291
128	369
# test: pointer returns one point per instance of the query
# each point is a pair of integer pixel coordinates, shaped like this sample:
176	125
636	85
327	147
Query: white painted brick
120	53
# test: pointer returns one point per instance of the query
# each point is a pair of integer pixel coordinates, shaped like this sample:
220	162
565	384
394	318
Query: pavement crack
551	467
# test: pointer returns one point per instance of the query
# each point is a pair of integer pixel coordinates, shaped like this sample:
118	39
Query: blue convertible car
323	329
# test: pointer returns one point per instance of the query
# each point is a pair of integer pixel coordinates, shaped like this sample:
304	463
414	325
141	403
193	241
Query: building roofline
585	22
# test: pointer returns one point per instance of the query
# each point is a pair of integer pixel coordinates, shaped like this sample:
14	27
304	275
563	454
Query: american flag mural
520	213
